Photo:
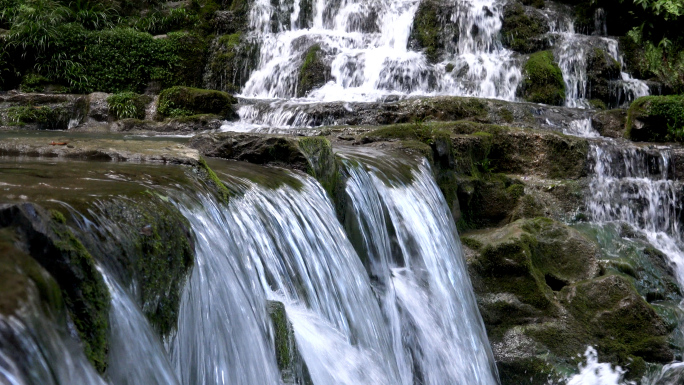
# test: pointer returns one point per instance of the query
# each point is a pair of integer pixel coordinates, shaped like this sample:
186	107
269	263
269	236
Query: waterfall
414	255
287	245
635	186
573	51
36	350
136	355
366	46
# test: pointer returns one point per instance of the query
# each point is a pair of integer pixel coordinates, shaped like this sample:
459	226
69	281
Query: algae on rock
314	71
542	80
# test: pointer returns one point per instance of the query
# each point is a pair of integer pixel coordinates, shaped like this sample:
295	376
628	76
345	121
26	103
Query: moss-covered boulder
531	259
314	71
545	294
523	30
187	101
656	119
432	30
21	278
542	80
293	369
49	241
147	241
487	200
279	150
232	58
602	71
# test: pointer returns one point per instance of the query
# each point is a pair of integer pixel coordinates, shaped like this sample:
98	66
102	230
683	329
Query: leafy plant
34	25
92	14
127	105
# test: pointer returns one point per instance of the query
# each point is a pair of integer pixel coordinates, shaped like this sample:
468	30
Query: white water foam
366	45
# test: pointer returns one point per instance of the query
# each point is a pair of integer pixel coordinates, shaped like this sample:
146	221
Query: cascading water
405	230
573	52
366	45
136	355
634	186
34	350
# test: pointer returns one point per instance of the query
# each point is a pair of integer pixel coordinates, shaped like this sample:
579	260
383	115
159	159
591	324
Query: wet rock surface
99	149
543	294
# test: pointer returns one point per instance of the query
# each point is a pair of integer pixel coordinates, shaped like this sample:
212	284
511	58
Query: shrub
127	105
51	118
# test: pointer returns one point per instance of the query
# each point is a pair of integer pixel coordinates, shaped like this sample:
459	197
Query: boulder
656	119
523	29
47	239
610	123
186	101
602	71
542	80
314	72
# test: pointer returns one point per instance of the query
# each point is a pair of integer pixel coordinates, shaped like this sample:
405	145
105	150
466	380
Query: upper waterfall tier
367	46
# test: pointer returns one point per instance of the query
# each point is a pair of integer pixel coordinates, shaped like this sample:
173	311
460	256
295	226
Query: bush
186	101
127	105
50	118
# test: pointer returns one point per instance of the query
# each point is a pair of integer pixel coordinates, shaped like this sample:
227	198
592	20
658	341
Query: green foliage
543	80
52	118
80	44
127	105
33	83
662	117
92	14
187	101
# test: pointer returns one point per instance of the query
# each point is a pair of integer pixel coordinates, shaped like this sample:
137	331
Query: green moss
471	243
186	101
426	30
57	216
18	272
232	59
87	300
598	104
223	191
656	119
523	32
542	80
314	72
293	370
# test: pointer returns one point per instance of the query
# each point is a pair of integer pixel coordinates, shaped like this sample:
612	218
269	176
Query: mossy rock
293	369
542	80
151	245
277	150
21	277
486	201
523	31
623	322
656	119
43	117
610	123
56	248
186	101
425	32
314	71
602	71
532	259
231	61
